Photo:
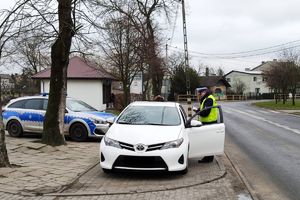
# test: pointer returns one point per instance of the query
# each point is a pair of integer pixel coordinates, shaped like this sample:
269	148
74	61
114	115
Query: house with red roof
86	81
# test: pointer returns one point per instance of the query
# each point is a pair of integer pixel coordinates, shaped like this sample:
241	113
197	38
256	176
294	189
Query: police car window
34	104
45	104
18	104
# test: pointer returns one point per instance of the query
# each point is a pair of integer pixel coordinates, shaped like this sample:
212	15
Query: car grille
126	146
140	162
151	147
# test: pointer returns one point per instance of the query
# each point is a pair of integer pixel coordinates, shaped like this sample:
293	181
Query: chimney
247	69
263	62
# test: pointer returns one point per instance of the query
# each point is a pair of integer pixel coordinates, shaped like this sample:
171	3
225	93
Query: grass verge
279	106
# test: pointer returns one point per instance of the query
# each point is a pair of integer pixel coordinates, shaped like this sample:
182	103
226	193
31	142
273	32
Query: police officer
206	99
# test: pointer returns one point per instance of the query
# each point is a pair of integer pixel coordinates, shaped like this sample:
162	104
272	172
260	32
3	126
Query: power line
223	56
246	52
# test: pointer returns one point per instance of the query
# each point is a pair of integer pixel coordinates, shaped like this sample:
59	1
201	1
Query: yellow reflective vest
213	115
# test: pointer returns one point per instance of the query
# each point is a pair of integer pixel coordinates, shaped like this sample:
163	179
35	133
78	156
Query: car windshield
150	115
78	106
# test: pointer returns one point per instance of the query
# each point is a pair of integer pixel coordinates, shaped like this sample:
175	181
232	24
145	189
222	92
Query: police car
26	114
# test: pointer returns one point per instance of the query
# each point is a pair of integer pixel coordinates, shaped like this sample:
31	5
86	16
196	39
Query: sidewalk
40	169
43	172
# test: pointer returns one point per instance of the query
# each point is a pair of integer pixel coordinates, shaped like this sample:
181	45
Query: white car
158	136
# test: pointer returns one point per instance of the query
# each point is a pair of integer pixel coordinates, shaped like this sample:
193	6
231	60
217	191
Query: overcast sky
230	26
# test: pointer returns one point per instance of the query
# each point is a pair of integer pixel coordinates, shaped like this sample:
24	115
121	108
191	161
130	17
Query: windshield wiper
157	124
123	122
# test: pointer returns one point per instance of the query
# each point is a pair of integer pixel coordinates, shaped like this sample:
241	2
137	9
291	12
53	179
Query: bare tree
239	87
124	50
53	133
143	19
290	59
220	71
33	51
284	76
276	78
9	19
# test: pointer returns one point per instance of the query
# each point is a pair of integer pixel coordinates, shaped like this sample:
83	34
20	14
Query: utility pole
186	62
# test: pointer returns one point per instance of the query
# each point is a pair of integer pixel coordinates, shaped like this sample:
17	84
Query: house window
228	79
254	79
264	79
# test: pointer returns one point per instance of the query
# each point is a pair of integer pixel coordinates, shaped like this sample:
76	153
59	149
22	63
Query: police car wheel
78	132
14	128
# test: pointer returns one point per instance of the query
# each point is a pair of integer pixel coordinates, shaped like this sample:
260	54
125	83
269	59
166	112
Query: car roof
154	103
31	97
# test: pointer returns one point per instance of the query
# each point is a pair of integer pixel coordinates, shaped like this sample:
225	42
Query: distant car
26	114
158	136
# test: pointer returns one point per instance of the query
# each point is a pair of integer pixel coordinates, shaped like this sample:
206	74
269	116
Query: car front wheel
14	128
208	159
78	132
106	171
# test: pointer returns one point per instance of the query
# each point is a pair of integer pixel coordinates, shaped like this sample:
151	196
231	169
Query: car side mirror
194	108
193	123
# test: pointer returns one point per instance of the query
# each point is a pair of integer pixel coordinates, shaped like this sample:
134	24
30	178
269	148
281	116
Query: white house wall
89	91
248	80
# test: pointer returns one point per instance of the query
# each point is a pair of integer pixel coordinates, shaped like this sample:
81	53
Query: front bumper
163	160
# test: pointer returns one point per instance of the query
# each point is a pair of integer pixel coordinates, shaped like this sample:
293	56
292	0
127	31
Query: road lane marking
265	112
274	111
230	112
268	121
251	111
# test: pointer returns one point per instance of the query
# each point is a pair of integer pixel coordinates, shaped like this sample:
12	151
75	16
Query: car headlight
97	121
172	144
111	142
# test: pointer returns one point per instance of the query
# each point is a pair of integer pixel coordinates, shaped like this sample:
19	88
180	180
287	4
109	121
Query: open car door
206	140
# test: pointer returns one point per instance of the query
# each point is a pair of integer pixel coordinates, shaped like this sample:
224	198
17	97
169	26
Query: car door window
18	104
45	104
33	104
183	114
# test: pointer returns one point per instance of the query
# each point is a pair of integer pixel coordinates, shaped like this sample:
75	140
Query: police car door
32	117
205	140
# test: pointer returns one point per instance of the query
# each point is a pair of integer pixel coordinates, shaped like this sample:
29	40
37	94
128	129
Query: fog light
102	158
181	159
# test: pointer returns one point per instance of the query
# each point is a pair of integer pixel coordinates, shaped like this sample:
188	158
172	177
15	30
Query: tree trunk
53	133
293	96
155	67
126	90
4	161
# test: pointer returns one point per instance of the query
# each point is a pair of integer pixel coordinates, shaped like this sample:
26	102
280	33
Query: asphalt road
265	145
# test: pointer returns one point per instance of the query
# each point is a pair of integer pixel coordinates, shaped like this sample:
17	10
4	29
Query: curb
243	179
67	186
222	175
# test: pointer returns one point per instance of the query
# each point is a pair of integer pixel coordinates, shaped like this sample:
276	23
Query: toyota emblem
140	147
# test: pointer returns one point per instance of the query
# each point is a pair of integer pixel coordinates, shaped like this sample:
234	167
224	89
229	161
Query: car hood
101	115
145	134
